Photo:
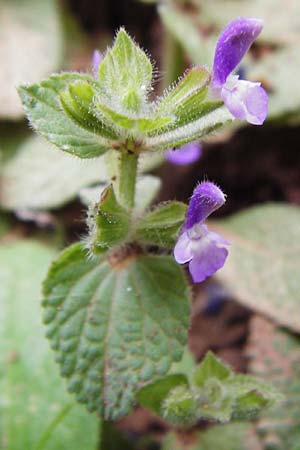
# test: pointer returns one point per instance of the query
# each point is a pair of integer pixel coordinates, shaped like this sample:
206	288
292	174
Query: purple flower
205	250
245	100
186	154
97	58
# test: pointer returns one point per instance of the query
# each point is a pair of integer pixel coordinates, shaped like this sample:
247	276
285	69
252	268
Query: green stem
126	178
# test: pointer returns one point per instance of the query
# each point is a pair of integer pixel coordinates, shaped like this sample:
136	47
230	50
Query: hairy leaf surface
114	328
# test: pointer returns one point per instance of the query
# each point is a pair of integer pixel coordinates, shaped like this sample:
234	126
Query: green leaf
39	177
114	328
125	75
193	85
211	367
185	102
29	23
186	366
138	124
262	270
215	393
42	105
161	226
195	121
152	395
223	395
109	222
180	406
35	411
77	103
273	355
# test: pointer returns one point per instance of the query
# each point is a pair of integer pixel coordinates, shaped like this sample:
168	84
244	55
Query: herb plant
116	304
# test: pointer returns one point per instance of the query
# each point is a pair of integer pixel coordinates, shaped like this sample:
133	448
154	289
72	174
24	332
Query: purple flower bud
234	41
97	58
187	154
245	100
206	199
205	250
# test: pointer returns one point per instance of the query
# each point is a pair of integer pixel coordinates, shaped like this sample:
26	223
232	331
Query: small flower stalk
204	250
246	100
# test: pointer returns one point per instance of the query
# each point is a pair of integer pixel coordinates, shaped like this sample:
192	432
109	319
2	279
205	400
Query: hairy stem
126	180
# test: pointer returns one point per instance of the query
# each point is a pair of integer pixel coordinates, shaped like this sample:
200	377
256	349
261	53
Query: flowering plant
117	309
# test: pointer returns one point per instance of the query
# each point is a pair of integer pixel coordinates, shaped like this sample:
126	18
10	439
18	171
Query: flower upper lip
246	100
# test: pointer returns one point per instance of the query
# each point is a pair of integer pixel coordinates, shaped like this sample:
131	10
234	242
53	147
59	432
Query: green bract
215	393
86	116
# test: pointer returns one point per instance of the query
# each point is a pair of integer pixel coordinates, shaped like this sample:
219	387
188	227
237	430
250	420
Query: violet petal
245	100
206	198
233	43
187	154
206	260
182	250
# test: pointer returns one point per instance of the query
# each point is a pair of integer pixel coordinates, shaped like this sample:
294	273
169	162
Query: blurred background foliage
40	212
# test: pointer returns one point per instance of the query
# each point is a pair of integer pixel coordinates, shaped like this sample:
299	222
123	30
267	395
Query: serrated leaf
262	270
30	22
78	103
114	327
35	411
43	108
124	73
152	395
161	226
110	222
